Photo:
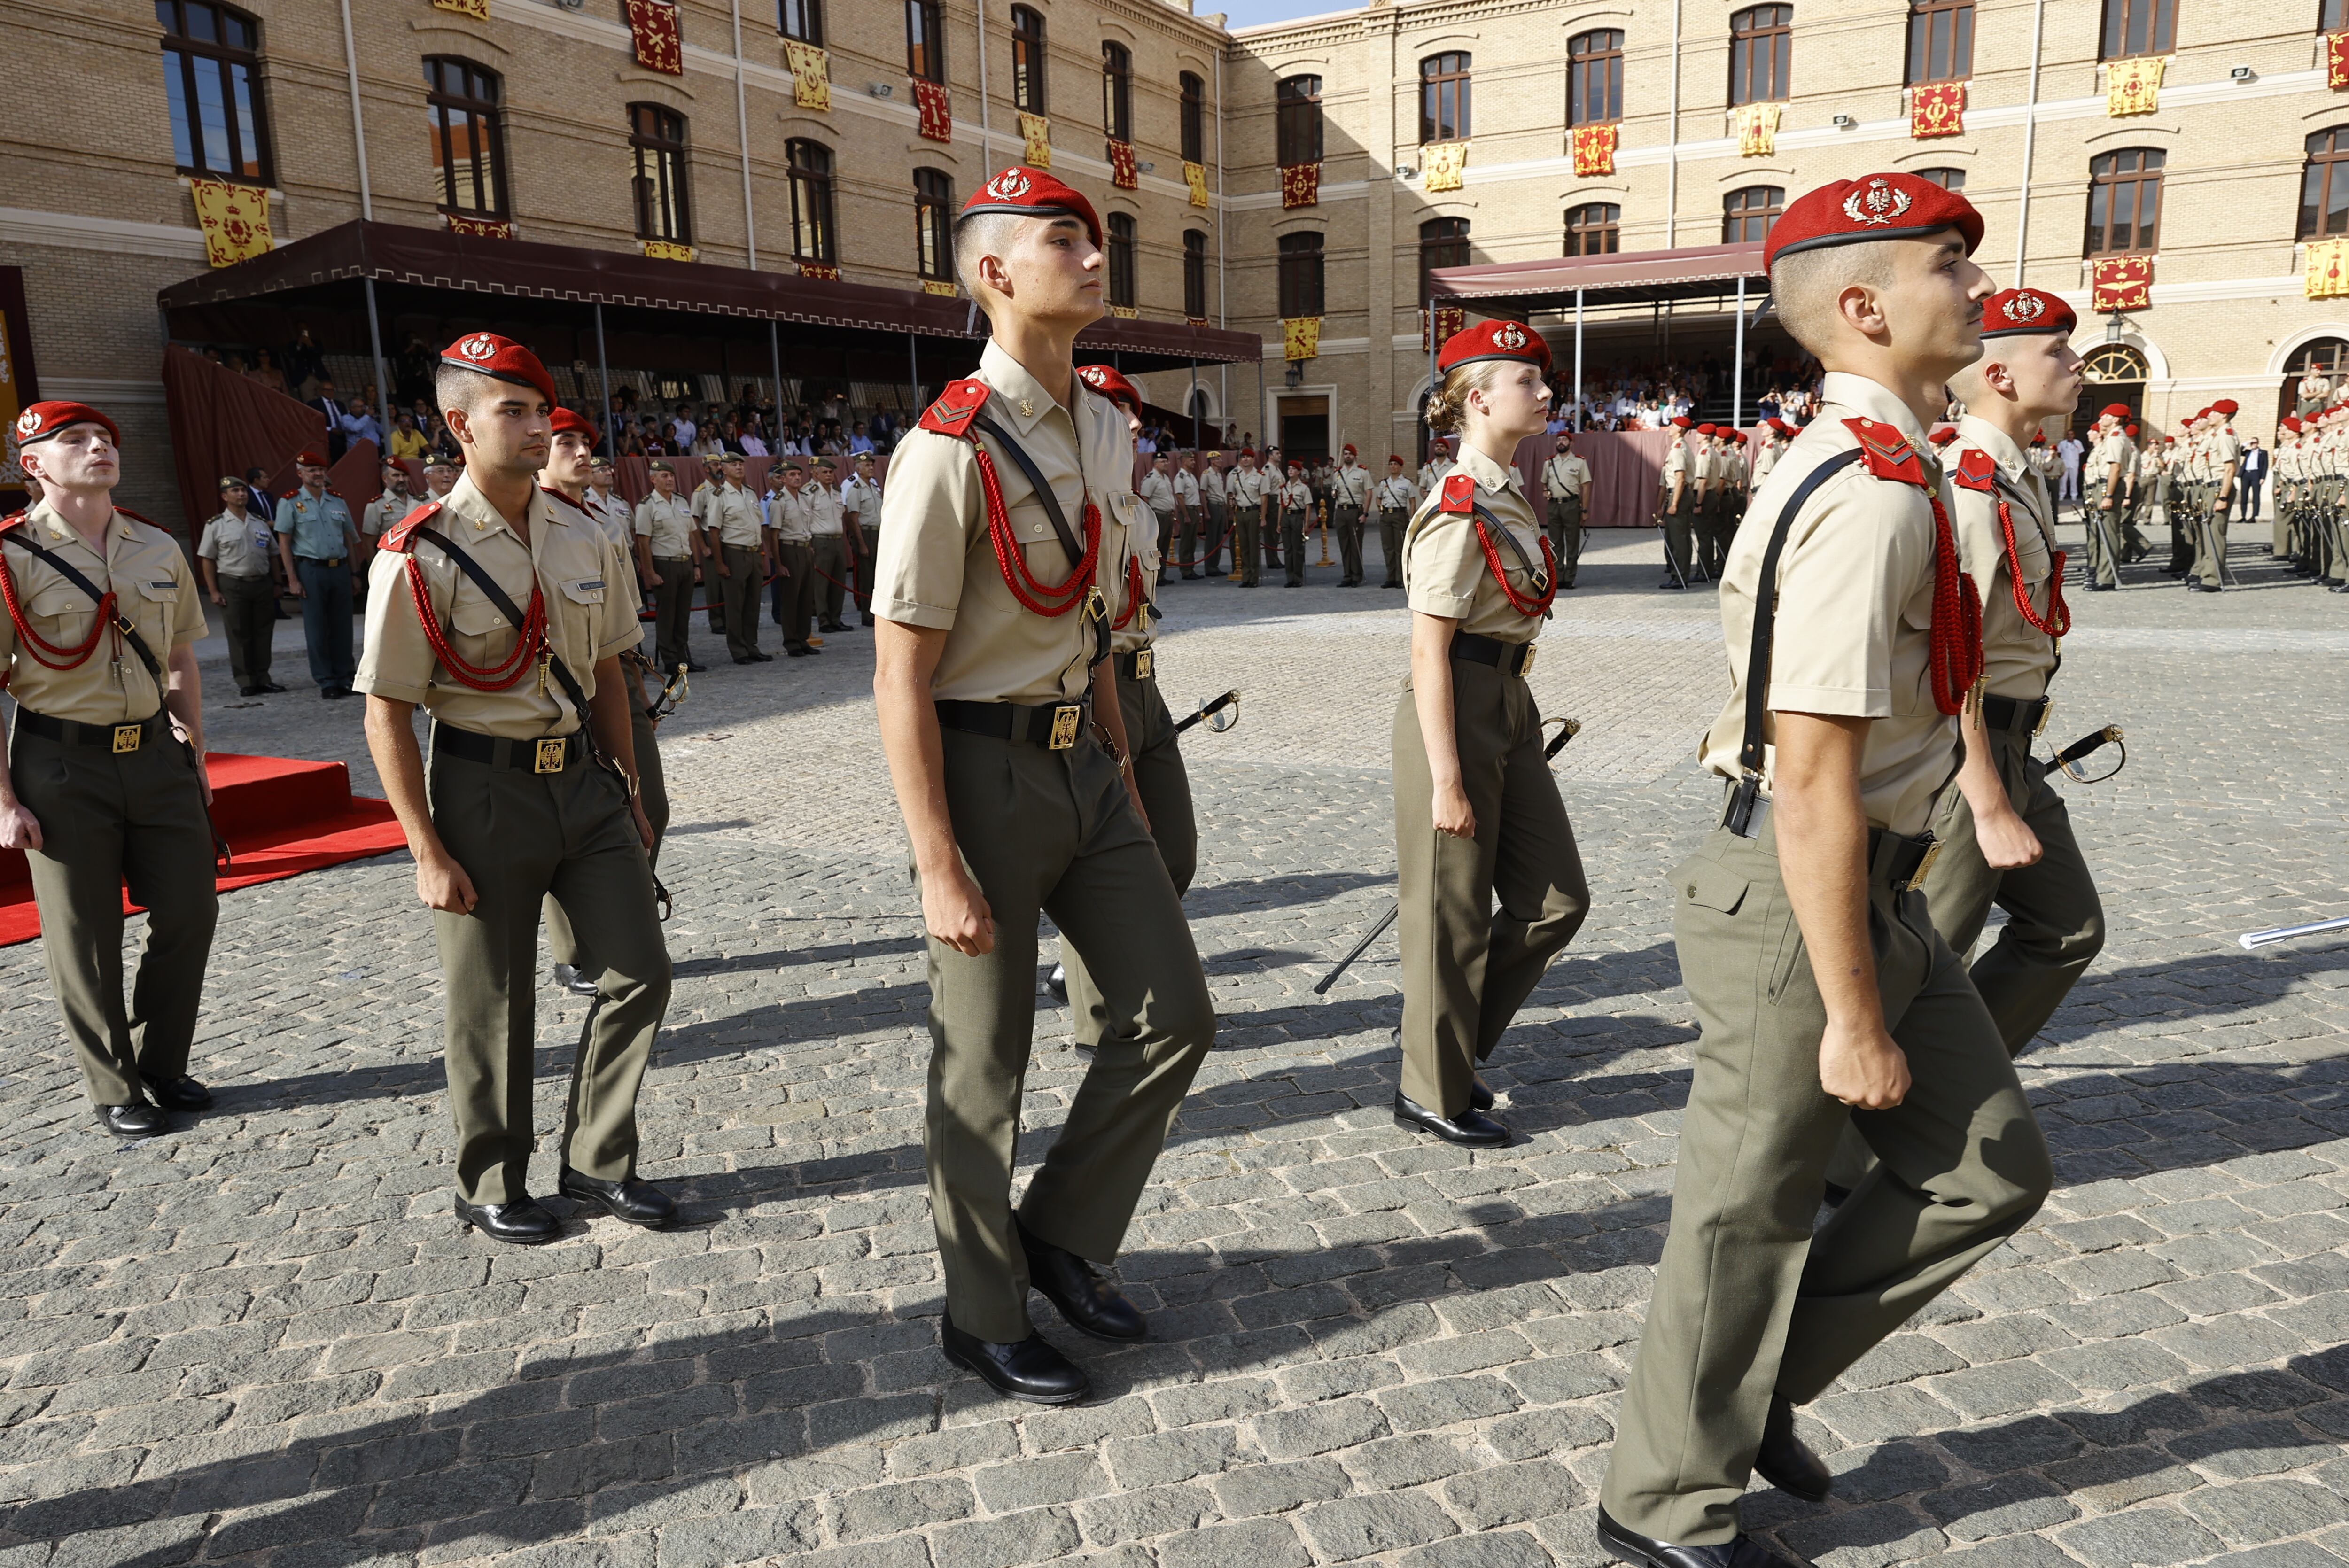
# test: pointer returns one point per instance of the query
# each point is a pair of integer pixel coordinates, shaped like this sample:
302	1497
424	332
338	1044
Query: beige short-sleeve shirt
1211	484
152	584
1247	487
1855	611
1444	571
1349	485
732	512
238	546
665	523
588	616
1678	462
823	513
1143	543
2016	659
938	566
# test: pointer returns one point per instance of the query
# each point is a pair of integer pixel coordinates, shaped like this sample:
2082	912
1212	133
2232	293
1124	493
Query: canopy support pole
914	370
603	382
1737	366
382	386
1577	361
775	364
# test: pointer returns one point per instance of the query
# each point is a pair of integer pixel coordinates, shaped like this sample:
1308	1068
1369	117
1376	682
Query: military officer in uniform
1704	458
1215	499
388	506
791	519
733	537
1187	519
860	508
1005	745
1350	500
2223	456
98	790
1478	821
1157	491
439	478
828	531
1825	996
668	549
1565	478
1296	504
233	556
1396	499
1248	491
529	789
1680	478
319	546
1440	459
2107	466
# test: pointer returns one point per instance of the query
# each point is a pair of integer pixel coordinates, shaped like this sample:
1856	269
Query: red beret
39	421
1348	450
2170	440
2292	422
306	459
1944	436
1683	422
1247	451
2011	313
1493	340
2130	429
1296	463
1707	430
570	421
1396	458
1872	207
1110	384
2114	411
1738	436
2040	439
502	357
1031	193
2226	406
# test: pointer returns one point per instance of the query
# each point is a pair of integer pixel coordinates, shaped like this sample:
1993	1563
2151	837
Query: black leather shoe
181	1093
272	686
1479	1096
1743	1553
693	669
1090	1304
1472	1126
762	658
1031	1370
573	980
136	1119
1786	1461
524	1223
1669	584
632	1198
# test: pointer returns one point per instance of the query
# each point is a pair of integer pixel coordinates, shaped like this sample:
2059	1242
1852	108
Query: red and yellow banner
1194	321
2133	86
481	228
822	272
1594	149
668	250
1126	311
479	10
1445	163
1122	171
2326	275
1195	175
2337	60
939	286
811	70
660	45
936	109
1300	337
1301	184
1035	142
2123	282
1436	326
1757	130
1937	108
234	218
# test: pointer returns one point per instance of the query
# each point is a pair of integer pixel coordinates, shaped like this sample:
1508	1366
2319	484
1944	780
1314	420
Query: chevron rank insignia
956	406
1976	470
1459	495
398	536
1886	452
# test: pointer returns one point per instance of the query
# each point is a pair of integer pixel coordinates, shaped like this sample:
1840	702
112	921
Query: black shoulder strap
506	607
1539	578
1027	464
1765	621
73	574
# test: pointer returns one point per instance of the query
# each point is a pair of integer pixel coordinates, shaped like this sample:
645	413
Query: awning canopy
565	279
1628	277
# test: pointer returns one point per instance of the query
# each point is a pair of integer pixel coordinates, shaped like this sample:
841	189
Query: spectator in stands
407	440
306	367
860	440
265	371
360	425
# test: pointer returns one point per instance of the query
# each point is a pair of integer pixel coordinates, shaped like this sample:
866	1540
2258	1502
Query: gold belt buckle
126	737
1145	663
1933	853
1525	660
1066	718
552	755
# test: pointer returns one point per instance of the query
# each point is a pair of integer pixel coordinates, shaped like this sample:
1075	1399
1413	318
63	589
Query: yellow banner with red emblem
1036	141
668	250
1195	175
1445	163
1757	130
2326	273
2133	86
811	70
1300	337
479	10
234	219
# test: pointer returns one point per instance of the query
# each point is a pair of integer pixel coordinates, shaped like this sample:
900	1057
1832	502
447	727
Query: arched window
934	208
812	238
1947	179
1027	56
1761	54
1300	273
925	40
802	20
2134	27
1594	230
1195	119
2324	185
1442	243
2111	362
469	163
1940	40
1117	91
1594	77
211	76
1748	213
1120	259
2124	202
656	140
1297	119
1443	97
1195	274
2324	355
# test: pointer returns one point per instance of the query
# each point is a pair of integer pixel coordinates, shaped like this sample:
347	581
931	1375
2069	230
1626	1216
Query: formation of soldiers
1703	491
2312	494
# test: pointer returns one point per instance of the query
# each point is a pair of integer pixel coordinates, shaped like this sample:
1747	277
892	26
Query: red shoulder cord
1134	594
1528	608
2058	623
45	652
1032	592
1957	621
480	677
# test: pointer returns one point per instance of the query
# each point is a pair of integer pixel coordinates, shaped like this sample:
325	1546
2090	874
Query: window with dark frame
1443	97
1941	41
1594	229
801	20
1195	119
1947	179
925	40
1300	274
1121	260
468	136
1117	91
2137	27
211	76
1594	77
2332	15
1297	120
1748	213
2324	186
1760	54
933	208
812	233
656	140
1028	92
1442	243
1195	274
2124	202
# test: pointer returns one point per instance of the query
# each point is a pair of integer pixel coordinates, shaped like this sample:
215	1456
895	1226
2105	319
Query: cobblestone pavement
263	1340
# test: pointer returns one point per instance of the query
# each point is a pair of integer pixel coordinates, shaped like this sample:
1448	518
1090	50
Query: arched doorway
2327	357
2115	374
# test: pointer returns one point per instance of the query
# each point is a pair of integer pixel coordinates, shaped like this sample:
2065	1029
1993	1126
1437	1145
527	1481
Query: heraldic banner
1437	325
1035	142
1301	184
2327	272
1937	109
1594	149
481	228
936	110
479	10
668	250
2133	86
2123	282
652	24
811	70
1300	337
234	218
1195	175
2337	60
1444	164
1757	130
1123	172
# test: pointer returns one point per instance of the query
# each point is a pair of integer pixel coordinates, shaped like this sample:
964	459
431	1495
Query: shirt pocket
156	611
61	612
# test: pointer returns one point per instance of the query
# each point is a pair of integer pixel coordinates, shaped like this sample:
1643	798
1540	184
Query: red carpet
281	817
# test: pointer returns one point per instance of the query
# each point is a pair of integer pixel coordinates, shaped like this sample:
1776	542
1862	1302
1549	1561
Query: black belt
320	559
125	736
1509	658
2014	713
1140	665
1054	726
547	754
1894	860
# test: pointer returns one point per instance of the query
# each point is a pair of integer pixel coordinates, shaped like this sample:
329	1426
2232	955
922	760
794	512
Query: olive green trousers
563	944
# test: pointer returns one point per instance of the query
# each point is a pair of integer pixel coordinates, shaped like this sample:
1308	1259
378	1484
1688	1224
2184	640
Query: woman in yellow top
1477	813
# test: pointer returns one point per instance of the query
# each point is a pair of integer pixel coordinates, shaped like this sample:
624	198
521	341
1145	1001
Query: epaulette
956	406
396	537
13	520
1459	496
1976	470
1885	453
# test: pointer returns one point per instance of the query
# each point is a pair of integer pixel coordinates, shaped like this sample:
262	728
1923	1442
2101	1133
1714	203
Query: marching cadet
1349	500
1565	477
1732	493
1248	491
1827	997
1772	450
828	537
1397	499
1678	504
1157	492
1296	502
1188	518
319	544
1478	821
98	790
668	550
233	557
2287	483
1215	496
734	537
2187	480
495	611
1705	466
1275	472
990	661
2221	455
859	507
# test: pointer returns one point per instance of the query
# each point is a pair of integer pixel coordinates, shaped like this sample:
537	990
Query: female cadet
1477	814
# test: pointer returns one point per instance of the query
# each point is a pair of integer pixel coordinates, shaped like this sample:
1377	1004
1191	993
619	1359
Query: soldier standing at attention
1397	498
734	537
2224	459
1296	515
319	544
1157	491
2105	472
439	479
828	537
1854	643
669	548
1275	474
859	507
1349	499
1679	492
233	557
791	519
531	790
1440	459
1187	519
1478	821
1565	478
98	790
1005	746
388	507
1214	485
1705	465
1248	492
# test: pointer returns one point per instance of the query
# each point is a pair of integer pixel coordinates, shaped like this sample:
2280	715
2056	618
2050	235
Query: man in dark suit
330	403
2252	473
